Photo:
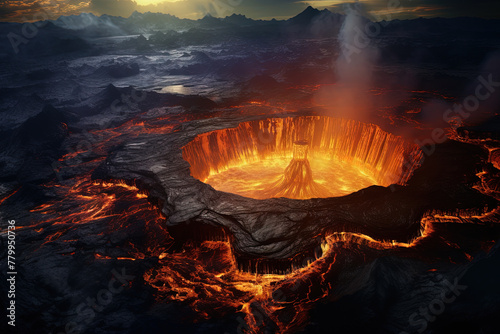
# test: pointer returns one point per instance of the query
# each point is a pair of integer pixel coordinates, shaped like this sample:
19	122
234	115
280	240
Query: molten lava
269	158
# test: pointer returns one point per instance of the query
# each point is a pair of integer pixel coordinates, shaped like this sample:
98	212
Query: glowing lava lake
300	158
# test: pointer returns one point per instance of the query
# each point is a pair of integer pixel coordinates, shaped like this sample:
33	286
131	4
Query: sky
35	10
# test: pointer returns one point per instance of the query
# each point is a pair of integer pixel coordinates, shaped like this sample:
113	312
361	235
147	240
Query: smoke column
350	97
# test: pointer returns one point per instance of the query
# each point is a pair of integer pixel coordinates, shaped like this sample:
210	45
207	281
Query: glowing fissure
344	156
216	285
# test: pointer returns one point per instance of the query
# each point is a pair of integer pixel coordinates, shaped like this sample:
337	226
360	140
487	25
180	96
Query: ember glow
300	158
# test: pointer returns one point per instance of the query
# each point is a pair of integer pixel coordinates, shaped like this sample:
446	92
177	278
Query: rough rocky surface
281	228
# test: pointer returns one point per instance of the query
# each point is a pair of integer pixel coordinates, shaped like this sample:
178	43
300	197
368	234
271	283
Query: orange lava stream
8	196
206	277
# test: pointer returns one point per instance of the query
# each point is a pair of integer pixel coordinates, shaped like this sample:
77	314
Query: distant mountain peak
306	16
238	15
136	14
209	21
237	19
309	12
311	9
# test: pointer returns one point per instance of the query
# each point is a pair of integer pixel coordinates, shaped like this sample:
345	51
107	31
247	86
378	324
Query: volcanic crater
280	224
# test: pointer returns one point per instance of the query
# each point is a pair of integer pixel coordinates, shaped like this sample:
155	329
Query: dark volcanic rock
391	295
489	129
47	127
279	228
29	151
123	70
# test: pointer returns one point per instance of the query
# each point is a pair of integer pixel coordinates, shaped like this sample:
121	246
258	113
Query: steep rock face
280	228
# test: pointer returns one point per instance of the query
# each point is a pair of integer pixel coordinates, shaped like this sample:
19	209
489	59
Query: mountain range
151	22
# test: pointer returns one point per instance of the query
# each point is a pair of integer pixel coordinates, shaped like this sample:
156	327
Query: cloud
409	9
24	10
113	7
280	9
193	9
256	9
35	10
